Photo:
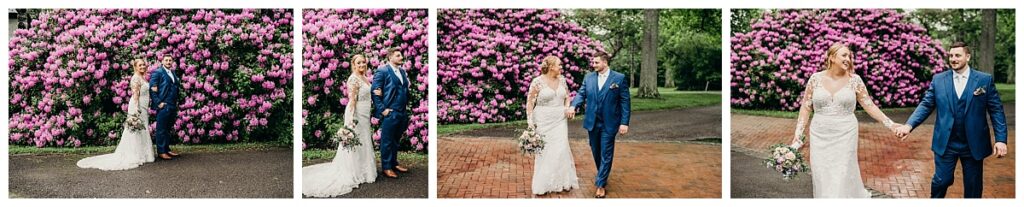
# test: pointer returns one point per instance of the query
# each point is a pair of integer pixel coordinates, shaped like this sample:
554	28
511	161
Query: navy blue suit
166	92
961	129
605	109
395	96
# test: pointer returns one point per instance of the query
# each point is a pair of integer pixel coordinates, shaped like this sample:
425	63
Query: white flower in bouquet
530	142
346	137
786	160
134	123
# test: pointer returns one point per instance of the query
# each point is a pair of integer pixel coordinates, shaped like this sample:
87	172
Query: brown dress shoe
401	169
390	174
165	157
601	193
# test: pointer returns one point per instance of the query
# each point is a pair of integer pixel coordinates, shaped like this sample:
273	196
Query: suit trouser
164	122
392	127
602	146
945	166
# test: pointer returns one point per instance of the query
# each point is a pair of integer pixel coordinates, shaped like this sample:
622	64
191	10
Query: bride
546	110
135	147
354	166
833	95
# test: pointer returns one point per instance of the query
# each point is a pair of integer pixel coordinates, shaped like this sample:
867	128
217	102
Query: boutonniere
979	91
615	85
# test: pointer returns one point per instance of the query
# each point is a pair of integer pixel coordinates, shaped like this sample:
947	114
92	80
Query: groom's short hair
604	56
967	50
393	50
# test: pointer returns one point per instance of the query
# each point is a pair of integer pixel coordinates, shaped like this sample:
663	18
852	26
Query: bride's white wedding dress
833	136
553	169
135	147
349	167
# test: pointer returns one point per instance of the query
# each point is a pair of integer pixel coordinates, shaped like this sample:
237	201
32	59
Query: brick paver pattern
902	169
473	167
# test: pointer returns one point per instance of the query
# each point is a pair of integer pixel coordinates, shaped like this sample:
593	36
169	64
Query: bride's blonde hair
136	61
832	51
352	62
547	63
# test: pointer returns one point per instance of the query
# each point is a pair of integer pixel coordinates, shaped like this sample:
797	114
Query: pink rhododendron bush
772	62
487	58
69	74
331	38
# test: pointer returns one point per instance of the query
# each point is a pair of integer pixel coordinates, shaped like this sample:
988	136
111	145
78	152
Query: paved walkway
894	168
492	167
236	174
414	184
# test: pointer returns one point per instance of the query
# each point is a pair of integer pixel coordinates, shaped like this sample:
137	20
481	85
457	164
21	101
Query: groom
390	98
164	85
961	97
605	99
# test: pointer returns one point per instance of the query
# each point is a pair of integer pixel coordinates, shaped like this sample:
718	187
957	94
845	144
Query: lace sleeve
864	98
353	99
806	107
531	99
135	86
565	88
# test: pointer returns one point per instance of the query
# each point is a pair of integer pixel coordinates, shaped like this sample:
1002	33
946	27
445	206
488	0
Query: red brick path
494	168
900	169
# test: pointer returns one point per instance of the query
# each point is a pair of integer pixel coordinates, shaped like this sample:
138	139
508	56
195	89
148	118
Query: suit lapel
968	95
949	90
405	77
607	85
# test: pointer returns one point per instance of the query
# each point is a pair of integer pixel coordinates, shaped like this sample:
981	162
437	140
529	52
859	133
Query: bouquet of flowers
346	137
134	122
786	160
530	142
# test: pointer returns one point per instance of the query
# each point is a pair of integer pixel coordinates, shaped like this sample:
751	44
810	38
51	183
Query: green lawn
320	154
17	149
670	99
1006	92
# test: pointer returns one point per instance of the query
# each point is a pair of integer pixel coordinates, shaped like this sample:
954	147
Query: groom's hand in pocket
1000	149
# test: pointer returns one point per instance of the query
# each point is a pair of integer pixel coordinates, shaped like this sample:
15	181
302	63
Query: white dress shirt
601	78
170	74
960	81
398	73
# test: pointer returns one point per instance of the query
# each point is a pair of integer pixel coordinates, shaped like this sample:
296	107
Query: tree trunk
649	61
986	55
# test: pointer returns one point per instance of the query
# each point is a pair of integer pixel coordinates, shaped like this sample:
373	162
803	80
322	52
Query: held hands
570	113
376	92
999	150
161	105
902	131
386	112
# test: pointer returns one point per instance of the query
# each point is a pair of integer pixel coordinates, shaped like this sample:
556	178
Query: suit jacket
167	90
941	98
394	92
610	102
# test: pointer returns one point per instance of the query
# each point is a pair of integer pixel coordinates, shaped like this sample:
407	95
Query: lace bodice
839	102
547	96
364	88
142	105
